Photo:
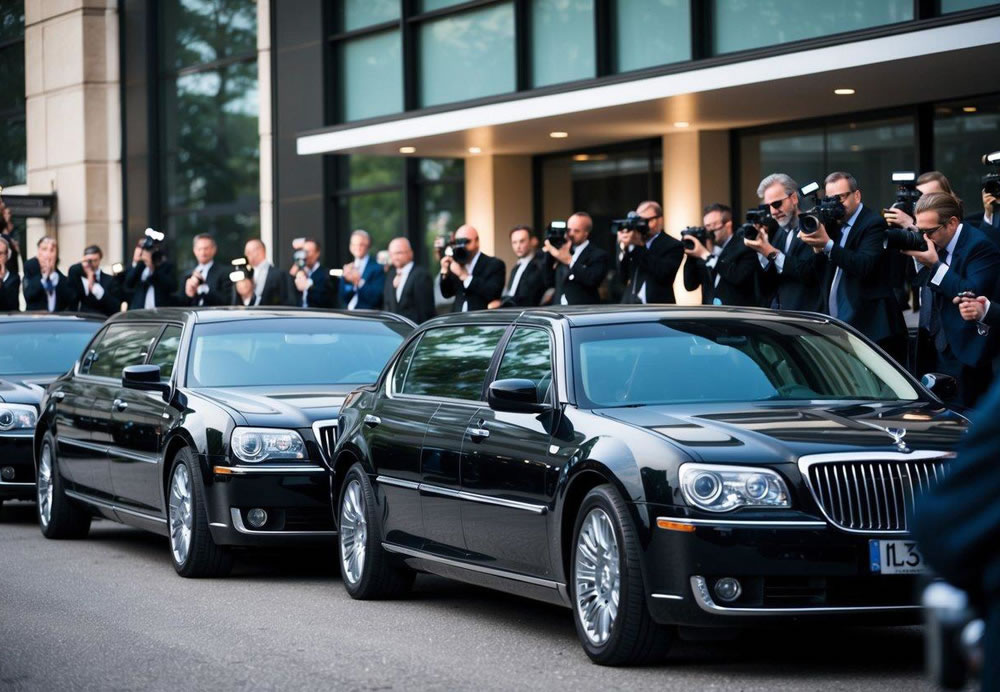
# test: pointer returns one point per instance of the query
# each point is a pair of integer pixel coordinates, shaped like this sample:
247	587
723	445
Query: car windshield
291	351
724	360
43	347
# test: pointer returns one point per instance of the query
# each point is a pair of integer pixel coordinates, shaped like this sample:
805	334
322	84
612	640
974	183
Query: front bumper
797	567
296	498
17	453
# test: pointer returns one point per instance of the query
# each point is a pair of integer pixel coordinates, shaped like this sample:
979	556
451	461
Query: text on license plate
895	557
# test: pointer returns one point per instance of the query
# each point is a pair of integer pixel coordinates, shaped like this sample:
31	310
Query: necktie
937	303
840	307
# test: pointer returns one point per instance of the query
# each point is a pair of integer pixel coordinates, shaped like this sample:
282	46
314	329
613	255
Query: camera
458	250
556	233
241	270
153	242
902	239
631	222
953	640
760	216
299	252
907	194
699	232
991	181
828	211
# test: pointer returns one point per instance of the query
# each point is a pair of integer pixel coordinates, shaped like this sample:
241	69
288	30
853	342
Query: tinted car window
403	367
528	356
39	347
122	345
451	362
165	351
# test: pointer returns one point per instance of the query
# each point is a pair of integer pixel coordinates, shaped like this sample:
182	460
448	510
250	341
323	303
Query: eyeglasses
776	204
931	231
843	196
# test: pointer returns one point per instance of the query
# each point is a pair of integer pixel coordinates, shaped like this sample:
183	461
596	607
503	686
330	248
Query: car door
139	420
507	473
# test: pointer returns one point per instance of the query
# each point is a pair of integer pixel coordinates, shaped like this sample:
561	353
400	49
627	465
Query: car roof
238	312
41	316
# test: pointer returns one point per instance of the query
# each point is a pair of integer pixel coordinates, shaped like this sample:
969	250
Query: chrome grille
871	495
326	436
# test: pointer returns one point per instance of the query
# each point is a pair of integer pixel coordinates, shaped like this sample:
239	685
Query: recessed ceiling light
581	157
855	147
681	123
843	92
558	135
475	150
407	150
969	109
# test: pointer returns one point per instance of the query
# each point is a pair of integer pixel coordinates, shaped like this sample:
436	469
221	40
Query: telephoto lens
903	240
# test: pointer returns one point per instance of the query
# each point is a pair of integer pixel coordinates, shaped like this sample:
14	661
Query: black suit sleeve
864	260
488	284
33	289
739	267
448	285
592	273
423	296
695	273
808	270
8	294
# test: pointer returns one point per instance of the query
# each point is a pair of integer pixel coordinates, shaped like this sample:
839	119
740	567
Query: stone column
265	124
73	123
498	196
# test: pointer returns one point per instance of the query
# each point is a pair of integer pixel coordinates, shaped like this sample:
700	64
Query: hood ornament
897	435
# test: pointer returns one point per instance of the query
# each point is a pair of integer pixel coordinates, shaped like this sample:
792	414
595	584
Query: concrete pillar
498	196
73	123
265	124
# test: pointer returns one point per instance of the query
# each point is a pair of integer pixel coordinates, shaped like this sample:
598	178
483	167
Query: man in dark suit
363	282
7	233
271	285
958	258
577	267
474	278
95	291
150	282
726	271
313	285
857	286
10	282
527	282
649	263
45	287
791	274
988	220
409	290
208	283
957	525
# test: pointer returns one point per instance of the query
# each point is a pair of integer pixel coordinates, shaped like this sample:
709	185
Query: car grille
871	496
326	437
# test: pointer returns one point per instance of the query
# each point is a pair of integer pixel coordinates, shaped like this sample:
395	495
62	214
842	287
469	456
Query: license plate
895	557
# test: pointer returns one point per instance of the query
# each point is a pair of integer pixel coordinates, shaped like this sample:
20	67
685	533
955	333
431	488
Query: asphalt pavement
109	613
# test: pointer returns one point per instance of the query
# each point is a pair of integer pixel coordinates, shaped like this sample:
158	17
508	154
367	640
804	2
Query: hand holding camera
928	257
971	306
761	243
694	240
298	257
563	253
351	275
302	281
192	284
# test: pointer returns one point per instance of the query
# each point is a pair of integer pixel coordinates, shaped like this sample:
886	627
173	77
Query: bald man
649	261
408	290
476	280
270	286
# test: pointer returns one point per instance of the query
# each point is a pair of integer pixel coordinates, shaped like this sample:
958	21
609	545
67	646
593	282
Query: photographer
857	288
7	233
409	290
312	281
527	282
209	283
45	287
958	258
649	260
577	267
10	282
363	281
790	274
243	289
473	278
724	270
96	291
150	280
270	286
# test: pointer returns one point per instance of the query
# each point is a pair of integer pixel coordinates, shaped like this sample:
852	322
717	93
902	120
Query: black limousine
646	466
209	426
35	348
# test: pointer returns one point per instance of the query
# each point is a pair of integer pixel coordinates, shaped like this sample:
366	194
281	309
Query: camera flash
904	177
810	188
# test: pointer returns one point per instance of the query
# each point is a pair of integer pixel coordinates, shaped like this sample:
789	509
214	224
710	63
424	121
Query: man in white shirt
579	266
96	290
474	278
408	289
45	287
272	287
209	282
312	281
526	284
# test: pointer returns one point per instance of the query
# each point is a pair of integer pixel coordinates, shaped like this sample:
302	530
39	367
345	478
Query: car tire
368	571
192	550
59	516
608	595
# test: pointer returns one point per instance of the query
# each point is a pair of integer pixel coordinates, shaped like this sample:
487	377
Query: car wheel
367	570
192	549
58	515
609	598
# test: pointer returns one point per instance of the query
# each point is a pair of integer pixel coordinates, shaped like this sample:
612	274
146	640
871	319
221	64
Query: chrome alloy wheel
45	485
181	514
597	576
353	532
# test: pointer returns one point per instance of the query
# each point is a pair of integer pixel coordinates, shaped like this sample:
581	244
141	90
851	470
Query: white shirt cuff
202	288
779	261
939	274
828	248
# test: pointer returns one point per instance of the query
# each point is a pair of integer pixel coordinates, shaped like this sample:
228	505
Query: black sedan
209	426
647	467
34	350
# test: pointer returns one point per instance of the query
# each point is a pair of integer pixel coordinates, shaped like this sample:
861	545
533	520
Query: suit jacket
219	287
35	297
416	302
866	279
974	266
655	266
581	282
486	284
162	279
278	289
979	220
799	284
736	270
531	287
322	292
9	291
13	258
109	303
370	292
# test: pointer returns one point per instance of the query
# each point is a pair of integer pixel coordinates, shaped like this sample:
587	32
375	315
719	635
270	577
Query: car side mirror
145	378
942	386
515	396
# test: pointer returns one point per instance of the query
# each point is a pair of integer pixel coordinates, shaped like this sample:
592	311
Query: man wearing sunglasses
958	258
648	263
791	275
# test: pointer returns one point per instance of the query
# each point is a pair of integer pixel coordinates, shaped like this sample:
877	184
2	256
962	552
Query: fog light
257	517
728	589
7	473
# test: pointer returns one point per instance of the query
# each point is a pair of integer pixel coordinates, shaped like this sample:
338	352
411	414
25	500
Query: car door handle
372	420
478	433
59	396
119	405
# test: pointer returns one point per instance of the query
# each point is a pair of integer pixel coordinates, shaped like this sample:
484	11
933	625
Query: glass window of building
745	24
948	6
13	144
195	32
562	41
963	132
441	195
650	33
467	55
431	5
366	61
357	14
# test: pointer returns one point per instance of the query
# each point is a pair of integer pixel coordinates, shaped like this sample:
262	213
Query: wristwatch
772	255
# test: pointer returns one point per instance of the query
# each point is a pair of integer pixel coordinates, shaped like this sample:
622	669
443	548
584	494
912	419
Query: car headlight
718	488
253	445
17	417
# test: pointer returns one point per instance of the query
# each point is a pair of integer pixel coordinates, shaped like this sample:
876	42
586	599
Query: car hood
22	391
282	406
761	432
